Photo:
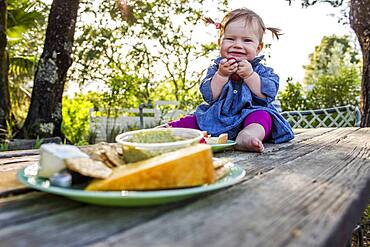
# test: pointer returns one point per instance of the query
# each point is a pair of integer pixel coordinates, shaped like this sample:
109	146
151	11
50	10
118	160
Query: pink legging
261	117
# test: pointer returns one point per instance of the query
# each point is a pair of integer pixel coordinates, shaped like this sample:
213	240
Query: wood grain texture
8	171
55	221
309	192
310	199
19	153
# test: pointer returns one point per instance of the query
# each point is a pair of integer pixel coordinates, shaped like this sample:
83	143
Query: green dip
159	136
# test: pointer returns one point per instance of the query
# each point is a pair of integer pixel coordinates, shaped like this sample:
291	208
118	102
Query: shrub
76	119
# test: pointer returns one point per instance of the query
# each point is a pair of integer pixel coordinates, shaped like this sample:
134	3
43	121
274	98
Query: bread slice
88	167
222	139
190	166
221	172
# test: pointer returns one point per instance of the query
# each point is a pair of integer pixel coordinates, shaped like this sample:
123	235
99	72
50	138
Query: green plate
28	177
221	147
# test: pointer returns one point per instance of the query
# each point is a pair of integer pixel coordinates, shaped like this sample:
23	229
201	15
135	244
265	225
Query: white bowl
190	136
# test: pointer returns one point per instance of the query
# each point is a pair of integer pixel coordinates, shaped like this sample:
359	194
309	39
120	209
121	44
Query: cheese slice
52	157
190	166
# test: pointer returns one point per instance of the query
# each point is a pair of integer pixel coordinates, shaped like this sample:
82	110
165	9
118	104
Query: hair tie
208	20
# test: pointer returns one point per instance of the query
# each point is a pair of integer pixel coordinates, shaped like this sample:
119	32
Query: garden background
140	52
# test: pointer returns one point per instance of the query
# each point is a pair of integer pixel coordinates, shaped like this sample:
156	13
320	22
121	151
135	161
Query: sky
303	30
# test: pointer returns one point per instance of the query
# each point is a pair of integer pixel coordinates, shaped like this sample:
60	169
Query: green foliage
4	147
329	57
293	97
95	98
25	34
151	42
7	133
21	65
38	143
329	91
306	3
332	78
112	132
24	15
121	91
76	118
26	24
335	90
91	137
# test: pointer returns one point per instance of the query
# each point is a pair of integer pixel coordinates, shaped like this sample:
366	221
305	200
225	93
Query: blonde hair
250	18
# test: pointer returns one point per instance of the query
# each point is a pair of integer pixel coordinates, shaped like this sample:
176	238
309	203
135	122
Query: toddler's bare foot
246	142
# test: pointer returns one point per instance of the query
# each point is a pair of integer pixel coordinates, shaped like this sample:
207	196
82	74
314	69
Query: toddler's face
240	41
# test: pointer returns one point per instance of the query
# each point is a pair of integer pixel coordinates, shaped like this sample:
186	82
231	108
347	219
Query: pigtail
209	20
276	32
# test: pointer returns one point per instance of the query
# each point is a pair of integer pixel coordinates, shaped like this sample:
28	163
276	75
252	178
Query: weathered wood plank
310	200
15	160
18	153
259	163
73	224
8	181
300	136
10	163
19	209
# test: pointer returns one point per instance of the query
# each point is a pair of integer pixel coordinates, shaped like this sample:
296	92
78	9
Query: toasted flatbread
221	167
109	154
222	172
219	162
222	139
94	152
88	167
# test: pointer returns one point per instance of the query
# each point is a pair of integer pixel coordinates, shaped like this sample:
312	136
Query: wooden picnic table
308	192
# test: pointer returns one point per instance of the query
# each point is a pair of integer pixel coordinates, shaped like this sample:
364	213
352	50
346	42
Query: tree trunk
359	17
44	117
5	106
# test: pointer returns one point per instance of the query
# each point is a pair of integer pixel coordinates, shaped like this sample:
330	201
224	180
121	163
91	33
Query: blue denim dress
227	113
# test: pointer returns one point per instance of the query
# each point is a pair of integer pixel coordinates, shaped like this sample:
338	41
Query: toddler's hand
227	67
244	69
